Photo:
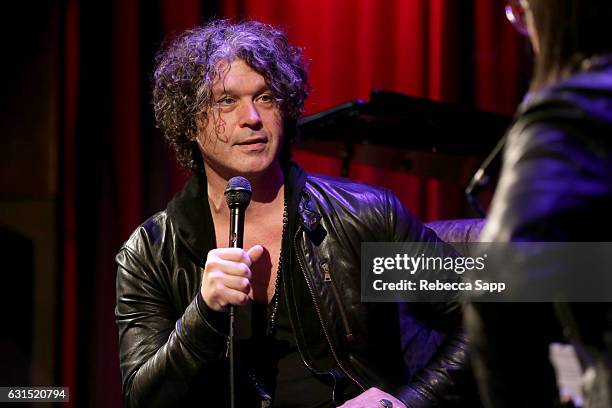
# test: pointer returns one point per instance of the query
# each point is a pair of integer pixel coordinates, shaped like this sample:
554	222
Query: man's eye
226	101
266	98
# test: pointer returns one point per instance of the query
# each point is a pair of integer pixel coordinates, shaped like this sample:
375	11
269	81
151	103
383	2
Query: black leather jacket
555	185
172	346
556	180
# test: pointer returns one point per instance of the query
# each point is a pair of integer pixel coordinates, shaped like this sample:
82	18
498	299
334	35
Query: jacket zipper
343	316
297	343
316	305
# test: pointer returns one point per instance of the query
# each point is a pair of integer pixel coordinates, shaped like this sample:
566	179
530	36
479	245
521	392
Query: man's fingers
231	254
226	276
228	267
255	253
226	296
371	398
238	283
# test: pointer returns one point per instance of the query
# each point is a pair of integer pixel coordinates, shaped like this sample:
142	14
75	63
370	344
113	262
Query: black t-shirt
273	364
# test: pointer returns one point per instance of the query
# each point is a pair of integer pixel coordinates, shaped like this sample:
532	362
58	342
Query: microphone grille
238	192
238	183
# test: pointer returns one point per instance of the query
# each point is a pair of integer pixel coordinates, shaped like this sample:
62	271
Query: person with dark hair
227	97
555	186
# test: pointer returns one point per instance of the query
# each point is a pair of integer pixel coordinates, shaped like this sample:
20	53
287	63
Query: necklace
273	317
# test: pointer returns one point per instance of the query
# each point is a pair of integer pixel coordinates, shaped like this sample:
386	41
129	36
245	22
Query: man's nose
250	116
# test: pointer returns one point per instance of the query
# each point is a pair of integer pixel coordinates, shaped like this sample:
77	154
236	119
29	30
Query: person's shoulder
572	114
582	97
151	233
341	186
352	196
145	246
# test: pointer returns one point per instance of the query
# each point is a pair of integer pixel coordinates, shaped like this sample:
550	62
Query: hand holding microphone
227	276
227	273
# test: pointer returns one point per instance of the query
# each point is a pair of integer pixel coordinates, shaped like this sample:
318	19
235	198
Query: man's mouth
253	141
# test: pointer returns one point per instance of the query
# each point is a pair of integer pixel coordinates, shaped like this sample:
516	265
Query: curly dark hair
189	65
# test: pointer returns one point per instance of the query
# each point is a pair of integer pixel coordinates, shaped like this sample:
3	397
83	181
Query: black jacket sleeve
161	350
440	381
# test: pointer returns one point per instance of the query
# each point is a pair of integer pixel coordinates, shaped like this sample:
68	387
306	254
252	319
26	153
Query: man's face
243	131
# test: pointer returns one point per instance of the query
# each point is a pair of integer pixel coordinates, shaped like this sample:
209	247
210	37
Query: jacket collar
298	200
309	217
192	219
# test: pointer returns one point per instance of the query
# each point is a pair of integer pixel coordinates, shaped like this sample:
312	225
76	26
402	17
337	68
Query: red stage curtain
116	172
69	79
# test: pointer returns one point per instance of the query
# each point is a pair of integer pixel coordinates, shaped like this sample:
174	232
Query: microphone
238	196
489	168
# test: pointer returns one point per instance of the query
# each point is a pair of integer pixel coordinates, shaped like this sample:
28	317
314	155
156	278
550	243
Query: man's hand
371	399
226	279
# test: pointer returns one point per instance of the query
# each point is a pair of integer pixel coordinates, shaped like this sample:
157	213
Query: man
227	96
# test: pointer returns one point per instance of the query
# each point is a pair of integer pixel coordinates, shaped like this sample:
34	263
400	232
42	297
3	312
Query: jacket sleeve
160	350
445	380
441	380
